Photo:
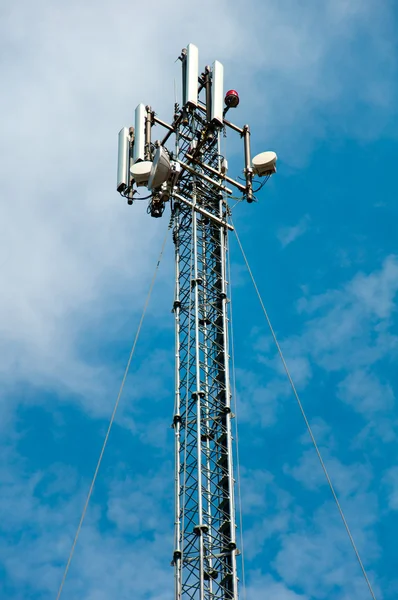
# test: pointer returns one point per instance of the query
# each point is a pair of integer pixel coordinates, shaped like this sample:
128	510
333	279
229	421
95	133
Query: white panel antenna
191	75
139	141
123	160
217	93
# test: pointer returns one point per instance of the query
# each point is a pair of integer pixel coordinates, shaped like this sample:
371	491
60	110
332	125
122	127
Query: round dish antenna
141	171
161	169
264	163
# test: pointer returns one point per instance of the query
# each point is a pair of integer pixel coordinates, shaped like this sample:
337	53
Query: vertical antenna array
192	178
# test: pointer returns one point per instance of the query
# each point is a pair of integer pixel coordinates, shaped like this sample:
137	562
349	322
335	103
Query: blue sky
318	85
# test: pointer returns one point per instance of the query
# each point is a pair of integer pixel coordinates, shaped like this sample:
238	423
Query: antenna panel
191	76
139	140
217	93
123	159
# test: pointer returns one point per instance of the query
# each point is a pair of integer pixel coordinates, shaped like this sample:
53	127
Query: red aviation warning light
231	99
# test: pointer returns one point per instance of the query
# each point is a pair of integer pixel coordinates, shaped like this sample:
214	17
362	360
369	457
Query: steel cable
112	419
328	479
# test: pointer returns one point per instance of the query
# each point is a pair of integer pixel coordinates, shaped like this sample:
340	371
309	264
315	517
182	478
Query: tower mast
193	179
205	531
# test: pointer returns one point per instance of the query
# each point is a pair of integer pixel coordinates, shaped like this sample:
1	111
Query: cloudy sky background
318	85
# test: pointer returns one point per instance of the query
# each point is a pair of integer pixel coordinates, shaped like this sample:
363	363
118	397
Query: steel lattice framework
205	530
192	179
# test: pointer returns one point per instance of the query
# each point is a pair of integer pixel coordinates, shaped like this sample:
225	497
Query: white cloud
322	433
391	481
74	75
366	393
376	292
347	479
349	332
254	396
311	552
39	513
351	328
260	586
267	511
346	332
321	563
134	505
316	556
70	247
287	235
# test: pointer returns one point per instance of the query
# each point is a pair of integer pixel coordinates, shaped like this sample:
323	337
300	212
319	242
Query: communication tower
191	176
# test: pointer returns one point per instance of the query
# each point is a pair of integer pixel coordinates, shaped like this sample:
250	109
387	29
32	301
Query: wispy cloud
366	393
287	235
70	248
39	513
312	553
67	241
391	481
260	584
322	541
346	332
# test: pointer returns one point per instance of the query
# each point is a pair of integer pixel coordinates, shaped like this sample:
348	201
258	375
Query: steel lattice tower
193	178
205	531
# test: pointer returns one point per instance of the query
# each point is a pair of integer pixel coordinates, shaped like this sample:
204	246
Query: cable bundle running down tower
192	178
